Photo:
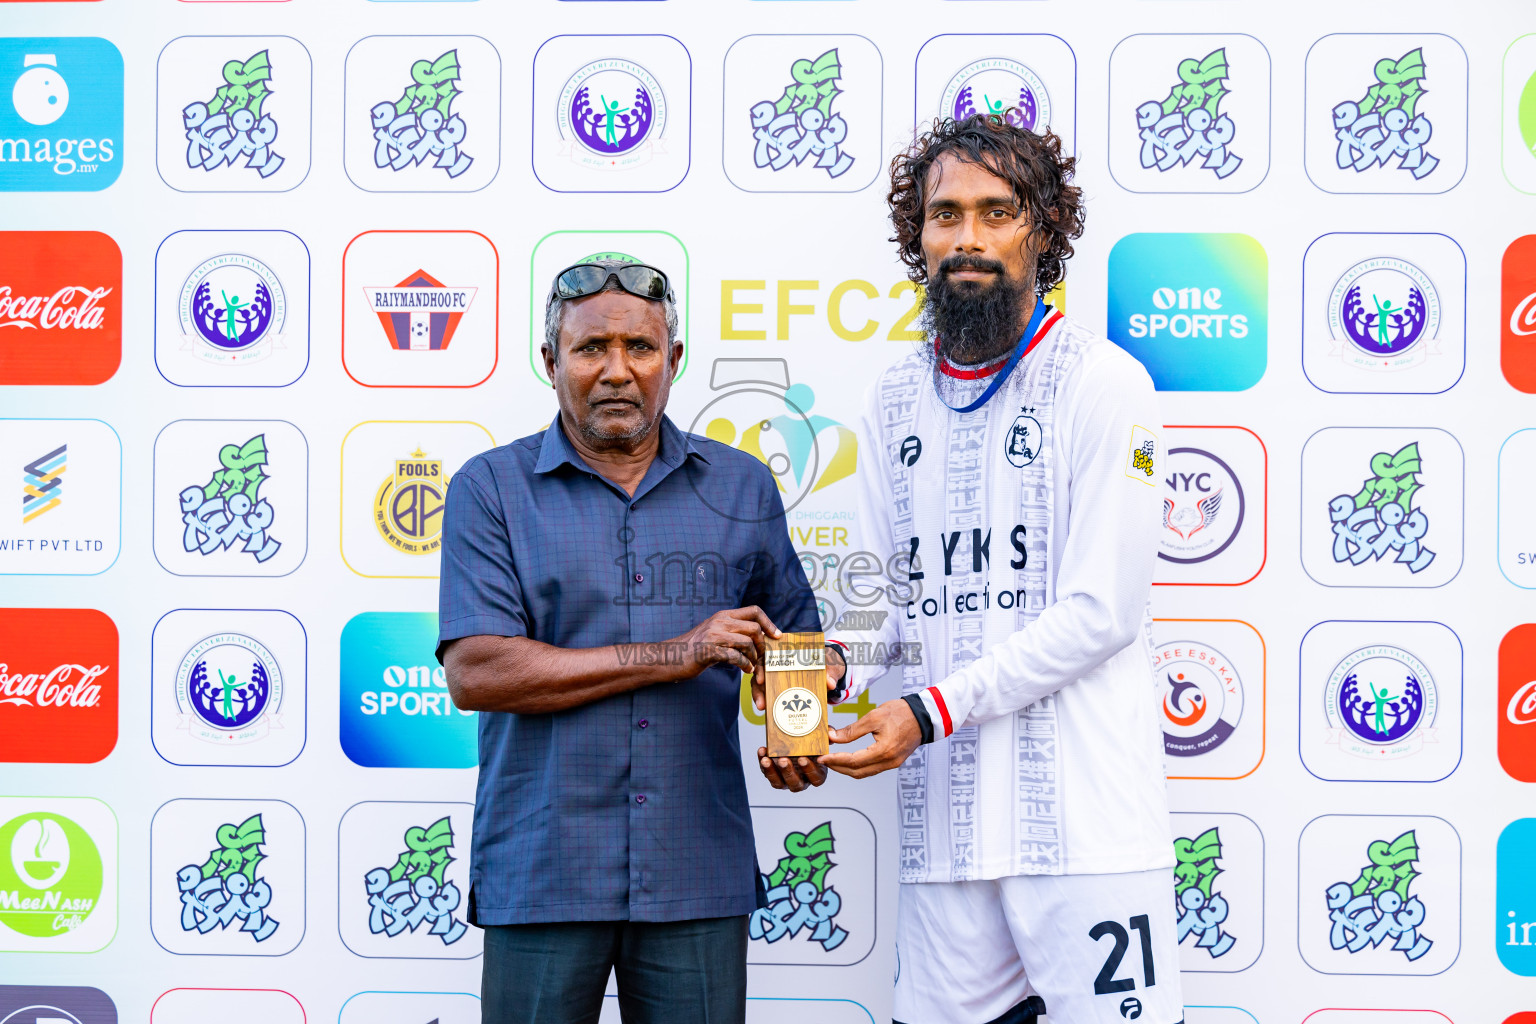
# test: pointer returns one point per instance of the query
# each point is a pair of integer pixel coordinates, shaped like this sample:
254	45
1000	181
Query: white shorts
1097	949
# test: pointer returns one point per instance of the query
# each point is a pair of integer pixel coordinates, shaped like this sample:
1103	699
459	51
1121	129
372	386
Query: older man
598	614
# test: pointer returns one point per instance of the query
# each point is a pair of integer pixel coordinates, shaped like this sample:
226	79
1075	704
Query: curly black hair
1032	164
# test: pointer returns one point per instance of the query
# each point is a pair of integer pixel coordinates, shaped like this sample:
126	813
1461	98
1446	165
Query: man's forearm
527	677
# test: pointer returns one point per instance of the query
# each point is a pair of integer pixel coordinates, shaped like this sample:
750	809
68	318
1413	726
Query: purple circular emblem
611	124
1020	114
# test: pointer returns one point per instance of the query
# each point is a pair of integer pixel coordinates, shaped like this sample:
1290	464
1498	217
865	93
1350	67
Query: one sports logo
1130	1008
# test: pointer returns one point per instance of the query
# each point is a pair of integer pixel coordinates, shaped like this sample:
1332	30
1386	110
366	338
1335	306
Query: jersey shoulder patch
1141	459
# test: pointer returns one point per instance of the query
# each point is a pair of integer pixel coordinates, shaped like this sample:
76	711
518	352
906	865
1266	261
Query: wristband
920	712
838	692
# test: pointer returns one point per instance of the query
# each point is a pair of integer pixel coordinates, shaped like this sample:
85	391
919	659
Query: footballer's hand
896	734
791	773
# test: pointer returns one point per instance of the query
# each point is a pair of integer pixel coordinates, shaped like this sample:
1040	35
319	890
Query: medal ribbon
1033	332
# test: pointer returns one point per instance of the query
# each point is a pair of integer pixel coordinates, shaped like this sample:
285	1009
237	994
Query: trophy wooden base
795	695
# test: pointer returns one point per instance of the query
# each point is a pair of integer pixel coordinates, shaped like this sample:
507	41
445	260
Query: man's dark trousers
694	971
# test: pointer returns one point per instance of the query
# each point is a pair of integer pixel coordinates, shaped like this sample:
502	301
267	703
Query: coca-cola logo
73	307
72	686
1523	320
61	309
1522	706
58	685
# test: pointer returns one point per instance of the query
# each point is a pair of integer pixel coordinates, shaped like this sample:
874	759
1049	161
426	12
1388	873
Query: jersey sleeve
870	652
1104	578
479	592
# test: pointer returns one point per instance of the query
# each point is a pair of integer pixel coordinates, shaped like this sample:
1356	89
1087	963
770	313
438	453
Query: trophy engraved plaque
795	694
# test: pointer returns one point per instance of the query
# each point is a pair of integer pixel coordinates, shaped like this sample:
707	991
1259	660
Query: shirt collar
556	450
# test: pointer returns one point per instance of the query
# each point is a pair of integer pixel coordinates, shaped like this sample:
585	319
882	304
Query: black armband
920	712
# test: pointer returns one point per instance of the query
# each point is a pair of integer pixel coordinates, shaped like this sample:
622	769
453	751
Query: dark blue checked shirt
633	807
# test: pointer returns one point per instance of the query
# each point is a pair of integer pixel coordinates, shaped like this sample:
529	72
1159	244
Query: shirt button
644	722
639	577
640	798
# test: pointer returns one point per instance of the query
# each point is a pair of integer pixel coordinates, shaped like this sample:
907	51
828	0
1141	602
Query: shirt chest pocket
715	585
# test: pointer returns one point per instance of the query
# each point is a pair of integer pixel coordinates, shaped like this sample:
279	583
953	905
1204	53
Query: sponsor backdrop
272	271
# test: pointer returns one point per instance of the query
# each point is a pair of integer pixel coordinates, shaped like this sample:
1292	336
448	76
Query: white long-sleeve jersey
1022	538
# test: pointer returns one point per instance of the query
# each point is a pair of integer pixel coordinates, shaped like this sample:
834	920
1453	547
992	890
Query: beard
974	322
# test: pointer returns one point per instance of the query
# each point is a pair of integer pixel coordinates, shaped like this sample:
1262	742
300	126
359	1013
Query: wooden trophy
795	695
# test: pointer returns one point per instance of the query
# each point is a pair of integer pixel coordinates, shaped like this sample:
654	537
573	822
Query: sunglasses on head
583	279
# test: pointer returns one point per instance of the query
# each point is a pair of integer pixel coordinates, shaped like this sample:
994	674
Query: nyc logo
1214	506
54	137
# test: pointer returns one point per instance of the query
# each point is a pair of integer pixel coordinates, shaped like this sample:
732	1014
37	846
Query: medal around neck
795	689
